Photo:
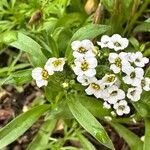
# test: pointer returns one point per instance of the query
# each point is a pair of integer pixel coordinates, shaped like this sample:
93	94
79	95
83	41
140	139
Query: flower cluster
52	65
126	70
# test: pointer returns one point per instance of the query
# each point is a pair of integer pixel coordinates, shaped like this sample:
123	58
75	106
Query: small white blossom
145	83
118	43
114	94
83	48
118	62
138	59
134	76
96	88
85	66
106	105
122	107
55	64
84	80
134	94
109	79
41	76
105	39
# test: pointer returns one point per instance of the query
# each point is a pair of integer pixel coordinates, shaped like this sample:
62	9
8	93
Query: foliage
33	31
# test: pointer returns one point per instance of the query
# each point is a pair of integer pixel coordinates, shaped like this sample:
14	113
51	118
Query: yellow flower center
57	62
117	44
84	66
82	50
111	78
95	86
132	75
143	83
121	107
132	92
114	93
45	75
118	62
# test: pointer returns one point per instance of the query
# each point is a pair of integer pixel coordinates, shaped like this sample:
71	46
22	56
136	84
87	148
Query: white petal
75	45
114	68
112	57
77	70
139	73
76	54
112	100
87	44
125	42
127	79
92	62
119	112
121	94
127	110
136	82
127	68
41	83
106	105
37	73
89	91
90	72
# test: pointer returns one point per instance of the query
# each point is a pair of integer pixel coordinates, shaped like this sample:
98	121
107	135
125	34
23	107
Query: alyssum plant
123	85
103	79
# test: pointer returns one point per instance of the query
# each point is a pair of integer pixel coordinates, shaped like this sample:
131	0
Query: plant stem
130	26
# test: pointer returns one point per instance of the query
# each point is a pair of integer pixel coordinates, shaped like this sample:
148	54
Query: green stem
129	27
19	66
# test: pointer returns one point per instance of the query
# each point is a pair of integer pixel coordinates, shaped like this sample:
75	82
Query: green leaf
143	106
18	77
8	37
108	4
144	27
88	121
147	73
87	145
147	135
132	139
28	45
94	106
134	42
87	32
20	124
42	137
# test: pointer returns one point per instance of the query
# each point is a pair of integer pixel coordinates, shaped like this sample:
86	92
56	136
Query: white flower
84	80
83	48
106	105
122	108
134	76
55	64
109	79
134	94
118	62
138	59
85	66
145	83
118	43
41	76
96	87
114	94
105	39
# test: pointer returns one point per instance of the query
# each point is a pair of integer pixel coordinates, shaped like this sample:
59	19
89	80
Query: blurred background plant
34	30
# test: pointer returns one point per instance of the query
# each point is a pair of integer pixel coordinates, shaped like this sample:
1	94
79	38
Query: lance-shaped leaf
132	139
88	121
20	124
